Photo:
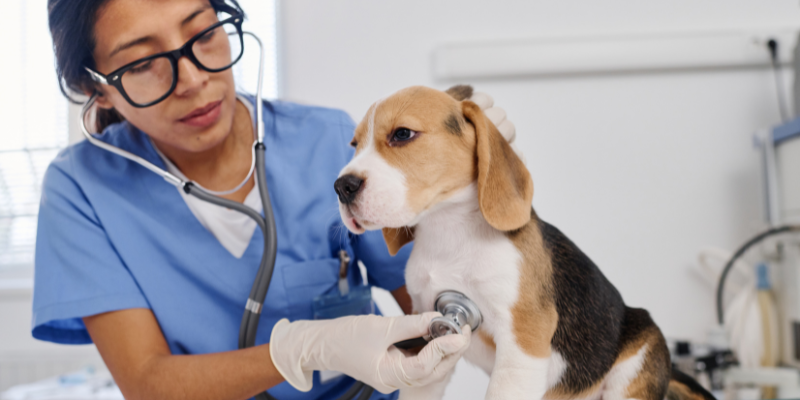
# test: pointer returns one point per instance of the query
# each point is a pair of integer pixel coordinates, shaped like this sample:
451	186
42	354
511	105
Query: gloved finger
449	362
483	100
410	326
495	114
421	366
449	344
508	130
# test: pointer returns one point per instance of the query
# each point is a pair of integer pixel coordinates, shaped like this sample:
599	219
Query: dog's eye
402	134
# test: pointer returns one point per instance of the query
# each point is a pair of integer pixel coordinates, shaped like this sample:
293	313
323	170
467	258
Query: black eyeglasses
149	80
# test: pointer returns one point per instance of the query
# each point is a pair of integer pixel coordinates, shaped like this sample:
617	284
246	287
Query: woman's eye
403	134
207	37
143	67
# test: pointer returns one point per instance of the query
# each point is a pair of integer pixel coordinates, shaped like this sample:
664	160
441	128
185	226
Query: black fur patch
635	323
460	92
453	125
590	313
690	383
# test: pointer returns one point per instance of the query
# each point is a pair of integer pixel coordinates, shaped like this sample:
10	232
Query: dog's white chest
455	249
482	271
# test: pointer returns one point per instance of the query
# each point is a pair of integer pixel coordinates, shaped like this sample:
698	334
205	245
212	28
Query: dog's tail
683	387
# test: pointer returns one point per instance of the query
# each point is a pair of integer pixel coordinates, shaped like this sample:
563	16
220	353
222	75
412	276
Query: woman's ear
102	100
102	113
505	187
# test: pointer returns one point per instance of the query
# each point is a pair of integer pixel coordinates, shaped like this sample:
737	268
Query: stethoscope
456	308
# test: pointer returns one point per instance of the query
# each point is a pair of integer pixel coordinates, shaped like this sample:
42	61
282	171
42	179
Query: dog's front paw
519	382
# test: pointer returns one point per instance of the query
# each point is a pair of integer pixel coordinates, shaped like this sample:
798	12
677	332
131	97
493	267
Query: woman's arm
135	351
403	299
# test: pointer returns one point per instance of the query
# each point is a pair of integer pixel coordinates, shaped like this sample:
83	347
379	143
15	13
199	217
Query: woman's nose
190	77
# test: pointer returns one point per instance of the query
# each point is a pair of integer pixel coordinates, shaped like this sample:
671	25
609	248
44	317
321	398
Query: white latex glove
362	347
498	117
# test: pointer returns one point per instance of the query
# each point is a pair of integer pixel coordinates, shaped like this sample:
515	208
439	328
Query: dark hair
72	28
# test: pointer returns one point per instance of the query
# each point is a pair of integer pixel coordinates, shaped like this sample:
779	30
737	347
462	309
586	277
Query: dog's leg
433	391
517	374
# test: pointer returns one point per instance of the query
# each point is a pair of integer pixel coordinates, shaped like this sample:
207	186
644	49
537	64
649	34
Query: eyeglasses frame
114	78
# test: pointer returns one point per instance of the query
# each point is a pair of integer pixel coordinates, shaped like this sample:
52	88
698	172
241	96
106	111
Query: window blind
34	127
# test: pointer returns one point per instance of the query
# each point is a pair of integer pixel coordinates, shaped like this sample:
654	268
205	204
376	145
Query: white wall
640	170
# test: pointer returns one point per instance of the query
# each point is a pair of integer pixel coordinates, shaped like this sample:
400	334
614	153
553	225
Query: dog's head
417	148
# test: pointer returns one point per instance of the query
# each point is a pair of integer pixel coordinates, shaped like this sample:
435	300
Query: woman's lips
203	116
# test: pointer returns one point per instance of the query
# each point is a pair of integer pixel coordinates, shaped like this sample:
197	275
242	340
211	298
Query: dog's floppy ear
397	237
460	92
505	188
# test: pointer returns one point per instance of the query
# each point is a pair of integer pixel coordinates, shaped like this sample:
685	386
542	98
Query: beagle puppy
430	167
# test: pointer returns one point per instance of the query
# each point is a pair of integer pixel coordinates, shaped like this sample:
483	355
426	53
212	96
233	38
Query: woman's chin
189	141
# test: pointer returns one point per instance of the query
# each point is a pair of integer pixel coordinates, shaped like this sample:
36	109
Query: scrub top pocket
306	280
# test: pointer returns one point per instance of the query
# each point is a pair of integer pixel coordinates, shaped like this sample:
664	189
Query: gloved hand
361	347
498	117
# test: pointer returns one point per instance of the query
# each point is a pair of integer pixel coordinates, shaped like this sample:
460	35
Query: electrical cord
739	253
772	44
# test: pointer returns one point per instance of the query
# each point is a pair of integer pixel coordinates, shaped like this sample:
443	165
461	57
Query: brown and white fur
553	326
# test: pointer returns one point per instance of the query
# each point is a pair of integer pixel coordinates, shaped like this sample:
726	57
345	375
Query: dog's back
601	339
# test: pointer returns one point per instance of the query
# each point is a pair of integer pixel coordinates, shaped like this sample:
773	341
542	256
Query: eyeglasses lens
150	80
219	47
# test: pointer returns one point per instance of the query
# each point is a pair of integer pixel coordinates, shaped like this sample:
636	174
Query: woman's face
198	115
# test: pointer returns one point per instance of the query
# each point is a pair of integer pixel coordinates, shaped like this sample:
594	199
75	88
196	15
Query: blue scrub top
113	235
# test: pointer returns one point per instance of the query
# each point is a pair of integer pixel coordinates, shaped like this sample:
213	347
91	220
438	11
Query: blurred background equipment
83	384
758	311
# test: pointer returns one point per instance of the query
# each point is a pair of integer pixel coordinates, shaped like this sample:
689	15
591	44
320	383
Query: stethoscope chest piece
457	310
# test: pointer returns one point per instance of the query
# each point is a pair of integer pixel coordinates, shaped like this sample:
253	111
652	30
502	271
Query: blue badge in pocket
345	301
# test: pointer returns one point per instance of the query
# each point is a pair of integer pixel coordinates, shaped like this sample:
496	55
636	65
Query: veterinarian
156	278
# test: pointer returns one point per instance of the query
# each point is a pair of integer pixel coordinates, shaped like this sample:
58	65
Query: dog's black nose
347	188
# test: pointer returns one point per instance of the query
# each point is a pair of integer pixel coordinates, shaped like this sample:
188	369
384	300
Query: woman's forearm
403	299
232	375
135	351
